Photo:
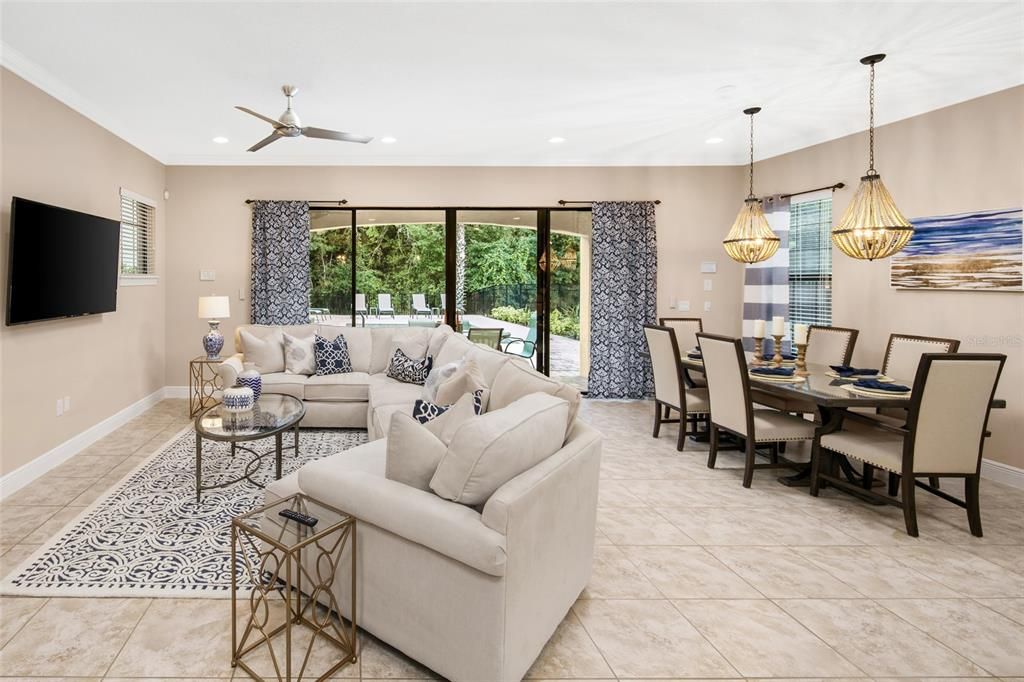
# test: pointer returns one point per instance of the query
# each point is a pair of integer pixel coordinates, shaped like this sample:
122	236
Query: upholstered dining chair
686	329
830	345
732	410
670	391
944	436
484	336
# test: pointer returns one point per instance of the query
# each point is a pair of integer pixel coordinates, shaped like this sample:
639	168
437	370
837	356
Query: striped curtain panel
280	262
766	284
623	284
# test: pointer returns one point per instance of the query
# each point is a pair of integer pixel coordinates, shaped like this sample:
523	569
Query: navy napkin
881	386
848	371
695	355
773	371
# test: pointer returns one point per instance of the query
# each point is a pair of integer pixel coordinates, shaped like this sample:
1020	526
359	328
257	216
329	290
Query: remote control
299	517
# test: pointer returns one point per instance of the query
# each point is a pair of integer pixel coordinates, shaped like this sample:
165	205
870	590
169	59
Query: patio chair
384	306
486	336
361	304
419	305
524	348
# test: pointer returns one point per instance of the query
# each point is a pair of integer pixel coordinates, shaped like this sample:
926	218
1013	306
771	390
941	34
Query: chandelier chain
751	195
871	124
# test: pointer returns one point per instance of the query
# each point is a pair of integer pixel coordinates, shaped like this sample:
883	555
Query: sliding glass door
525	271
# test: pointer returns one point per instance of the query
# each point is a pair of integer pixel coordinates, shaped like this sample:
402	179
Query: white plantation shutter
810	259
138	235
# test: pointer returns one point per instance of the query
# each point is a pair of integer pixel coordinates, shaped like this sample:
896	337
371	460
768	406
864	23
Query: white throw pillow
489	450
467	379
298	354
448	422
436	377
412	452
267	353
515	380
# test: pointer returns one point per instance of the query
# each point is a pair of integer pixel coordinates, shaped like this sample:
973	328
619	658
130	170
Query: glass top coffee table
272	415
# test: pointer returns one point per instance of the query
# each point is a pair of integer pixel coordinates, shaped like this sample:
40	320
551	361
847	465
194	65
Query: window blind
810	262
138	225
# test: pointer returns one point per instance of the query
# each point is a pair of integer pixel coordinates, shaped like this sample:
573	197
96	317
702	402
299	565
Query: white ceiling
488	83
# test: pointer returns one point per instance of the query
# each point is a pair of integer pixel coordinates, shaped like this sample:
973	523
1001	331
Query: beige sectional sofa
474	593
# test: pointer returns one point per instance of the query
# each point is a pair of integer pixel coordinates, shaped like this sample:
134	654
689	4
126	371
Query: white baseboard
175	391
27	473
1002	473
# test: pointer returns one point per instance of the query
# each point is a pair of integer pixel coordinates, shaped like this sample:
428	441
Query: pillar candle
758	329
778	326
800	333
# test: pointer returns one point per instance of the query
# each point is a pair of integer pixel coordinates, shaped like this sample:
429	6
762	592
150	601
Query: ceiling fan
289	125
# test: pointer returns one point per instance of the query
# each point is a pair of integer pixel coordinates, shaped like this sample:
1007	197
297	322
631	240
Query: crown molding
20	65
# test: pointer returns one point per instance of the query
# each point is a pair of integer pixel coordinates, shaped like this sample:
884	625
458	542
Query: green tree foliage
409	258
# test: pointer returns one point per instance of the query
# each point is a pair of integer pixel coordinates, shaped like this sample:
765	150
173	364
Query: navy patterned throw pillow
331	356
424	410
408	370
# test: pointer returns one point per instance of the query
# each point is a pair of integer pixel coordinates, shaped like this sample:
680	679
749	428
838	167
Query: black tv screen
62	263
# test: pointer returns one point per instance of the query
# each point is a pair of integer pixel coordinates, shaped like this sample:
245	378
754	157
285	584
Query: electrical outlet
67	403
60	407
707	285
684	306
707	306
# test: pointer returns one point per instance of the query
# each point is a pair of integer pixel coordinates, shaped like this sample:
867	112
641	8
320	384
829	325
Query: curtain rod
340	202
563	202
838	185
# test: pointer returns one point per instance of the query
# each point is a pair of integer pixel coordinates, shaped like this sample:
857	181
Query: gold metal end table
203	383
292	569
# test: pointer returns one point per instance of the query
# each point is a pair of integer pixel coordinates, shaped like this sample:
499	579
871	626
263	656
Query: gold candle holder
777	358
758	350
801	362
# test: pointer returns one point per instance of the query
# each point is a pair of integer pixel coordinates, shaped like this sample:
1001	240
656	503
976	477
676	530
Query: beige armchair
670	391
732	410
947	419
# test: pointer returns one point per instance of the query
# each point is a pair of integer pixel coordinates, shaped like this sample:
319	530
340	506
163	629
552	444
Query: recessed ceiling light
220	139
557	140
515	218
713	140
372	220
388	140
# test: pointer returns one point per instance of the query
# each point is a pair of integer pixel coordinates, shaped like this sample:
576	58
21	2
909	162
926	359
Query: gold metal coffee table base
292	570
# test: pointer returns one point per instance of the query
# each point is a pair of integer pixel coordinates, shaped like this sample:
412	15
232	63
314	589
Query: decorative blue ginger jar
251	378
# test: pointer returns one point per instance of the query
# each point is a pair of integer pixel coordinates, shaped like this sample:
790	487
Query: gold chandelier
872	227
751	240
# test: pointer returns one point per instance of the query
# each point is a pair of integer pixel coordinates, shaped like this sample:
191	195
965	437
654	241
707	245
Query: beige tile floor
694	578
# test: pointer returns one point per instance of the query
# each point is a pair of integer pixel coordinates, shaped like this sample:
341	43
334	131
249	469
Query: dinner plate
779	379
875	393
857	377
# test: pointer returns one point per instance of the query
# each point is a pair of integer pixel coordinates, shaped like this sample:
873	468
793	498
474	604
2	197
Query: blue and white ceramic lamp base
213	342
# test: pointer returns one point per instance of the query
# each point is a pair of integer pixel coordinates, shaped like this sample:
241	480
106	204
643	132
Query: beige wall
961	158
103	362
210	225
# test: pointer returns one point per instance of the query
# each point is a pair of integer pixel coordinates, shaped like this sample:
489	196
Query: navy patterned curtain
623	298
280	262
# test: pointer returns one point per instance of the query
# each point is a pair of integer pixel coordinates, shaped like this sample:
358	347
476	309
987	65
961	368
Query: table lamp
213	309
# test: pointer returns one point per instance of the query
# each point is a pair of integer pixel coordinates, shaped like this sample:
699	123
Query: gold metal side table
292	568
203	382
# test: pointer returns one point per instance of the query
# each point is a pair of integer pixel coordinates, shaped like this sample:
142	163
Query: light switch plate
707	285
707	306
207	275
241	294
684	306
709	266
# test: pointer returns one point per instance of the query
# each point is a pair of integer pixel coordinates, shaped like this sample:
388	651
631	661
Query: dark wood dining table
830	398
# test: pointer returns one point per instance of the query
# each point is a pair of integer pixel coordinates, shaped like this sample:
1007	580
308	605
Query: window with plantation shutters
138	238
810	260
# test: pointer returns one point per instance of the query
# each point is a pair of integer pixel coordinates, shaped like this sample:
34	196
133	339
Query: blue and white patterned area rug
148	537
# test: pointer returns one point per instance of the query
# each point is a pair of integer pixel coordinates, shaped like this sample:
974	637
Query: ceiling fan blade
264	142
271	121
325	134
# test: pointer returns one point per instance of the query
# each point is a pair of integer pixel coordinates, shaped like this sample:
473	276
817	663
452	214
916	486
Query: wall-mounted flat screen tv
62	263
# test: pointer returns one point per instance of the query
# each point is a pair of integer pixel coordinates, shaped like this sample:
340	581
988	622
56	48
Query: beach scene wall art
981	250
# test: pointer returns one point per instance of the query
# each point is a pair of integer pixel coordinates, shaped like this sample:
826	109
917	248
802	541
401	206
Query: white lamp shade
214	307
